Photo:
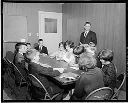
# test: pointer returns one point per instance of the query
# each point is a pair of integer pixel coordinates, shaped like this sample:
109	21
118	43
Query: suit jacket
89	81
19	61
42	74
43	50
91	37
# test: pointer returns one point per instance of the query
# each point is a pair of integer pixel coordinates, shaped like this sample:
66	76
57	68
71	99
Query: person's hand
91	44
61	70
84	45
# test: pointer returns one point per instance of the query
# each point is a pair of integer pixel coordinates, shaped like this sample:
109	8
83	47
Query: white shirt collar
21	53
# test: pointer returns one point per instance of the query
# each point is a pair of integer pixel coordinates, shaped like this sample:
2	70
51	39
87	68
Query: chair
22	80
35	81
122	77
8	67
104	93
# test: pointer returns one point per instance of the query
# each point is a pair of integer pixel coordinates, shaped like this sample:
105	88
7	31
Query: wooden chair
115	96
104	93
36	81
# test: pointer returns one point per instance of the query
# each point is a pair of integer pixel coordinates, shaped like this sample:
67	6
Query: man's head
33	55
40	42
87	26
21	47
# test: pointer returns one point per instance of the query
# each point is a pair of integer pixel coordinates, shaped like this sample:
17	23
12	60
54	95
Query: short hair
61	43
69	43
28	43
40	40
18	45
87	23
31	54
87	59
106	55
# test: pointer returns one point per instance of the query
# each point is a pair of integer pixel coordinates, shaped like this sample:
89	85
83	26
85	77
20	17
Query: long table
60	64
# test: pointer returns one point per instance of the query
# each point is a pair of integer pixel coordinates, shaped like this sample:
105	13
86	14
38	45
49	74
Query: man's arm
94	38
47	71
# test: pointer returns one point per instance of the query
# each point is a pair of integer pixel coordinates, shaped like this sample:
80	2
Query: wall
30	11
108	21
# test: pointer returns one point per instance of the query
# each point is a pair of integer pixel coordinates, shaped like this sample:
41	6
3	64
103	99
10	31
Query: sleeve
109	75
48	71
94	38
81	38
79	89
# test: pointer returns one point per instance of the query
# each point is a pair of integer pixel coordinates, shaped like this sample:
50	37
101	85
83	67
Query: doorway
50	29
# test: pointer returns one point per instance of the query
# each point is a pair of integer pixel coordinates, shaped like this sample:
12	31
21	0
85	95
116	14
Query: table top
61	64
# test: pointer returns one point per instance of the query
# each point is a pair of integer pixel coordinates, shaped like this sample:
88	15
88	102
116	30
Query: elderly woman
91	79
106	57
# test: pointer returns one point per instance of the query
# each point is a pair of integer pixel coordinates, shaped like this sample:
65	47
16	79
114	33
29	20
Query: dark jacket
91	37
19	62
42	74
43	50
109	75
88	82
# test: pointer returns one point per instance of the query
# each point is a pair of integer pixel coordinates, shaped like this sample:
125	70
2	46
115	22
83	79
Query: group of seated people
98	69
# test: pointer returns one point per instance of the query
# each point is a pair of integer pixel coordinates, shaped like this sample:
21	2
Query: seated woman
60	53
69	57
90	80
28	46
106	57
42	73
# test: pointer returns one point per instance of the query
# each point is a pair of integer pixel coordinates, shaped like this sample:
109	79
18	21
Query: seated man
90	80
41	48
19	61
106	57
41	72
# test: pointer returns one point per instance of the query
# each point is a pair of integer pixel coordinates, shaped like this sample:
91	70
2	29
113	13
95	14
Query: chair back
104	93
12	65
36	82
9	68
115	68
123	80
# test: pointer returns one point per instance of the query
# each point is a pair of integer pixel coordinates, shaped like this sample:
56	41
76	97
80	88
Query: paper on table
69	75
59	69
76	68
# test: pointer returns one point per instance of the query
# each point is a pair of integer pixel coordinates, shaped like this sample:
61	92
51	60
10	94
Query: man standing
41	48
88	36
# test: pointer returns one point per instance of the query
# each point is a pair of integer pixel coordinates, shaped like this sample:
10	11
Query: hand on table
61	70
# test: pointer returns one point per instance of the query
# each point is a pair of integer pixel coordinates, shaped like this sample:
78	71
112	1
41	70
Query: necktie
40	48
85	34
